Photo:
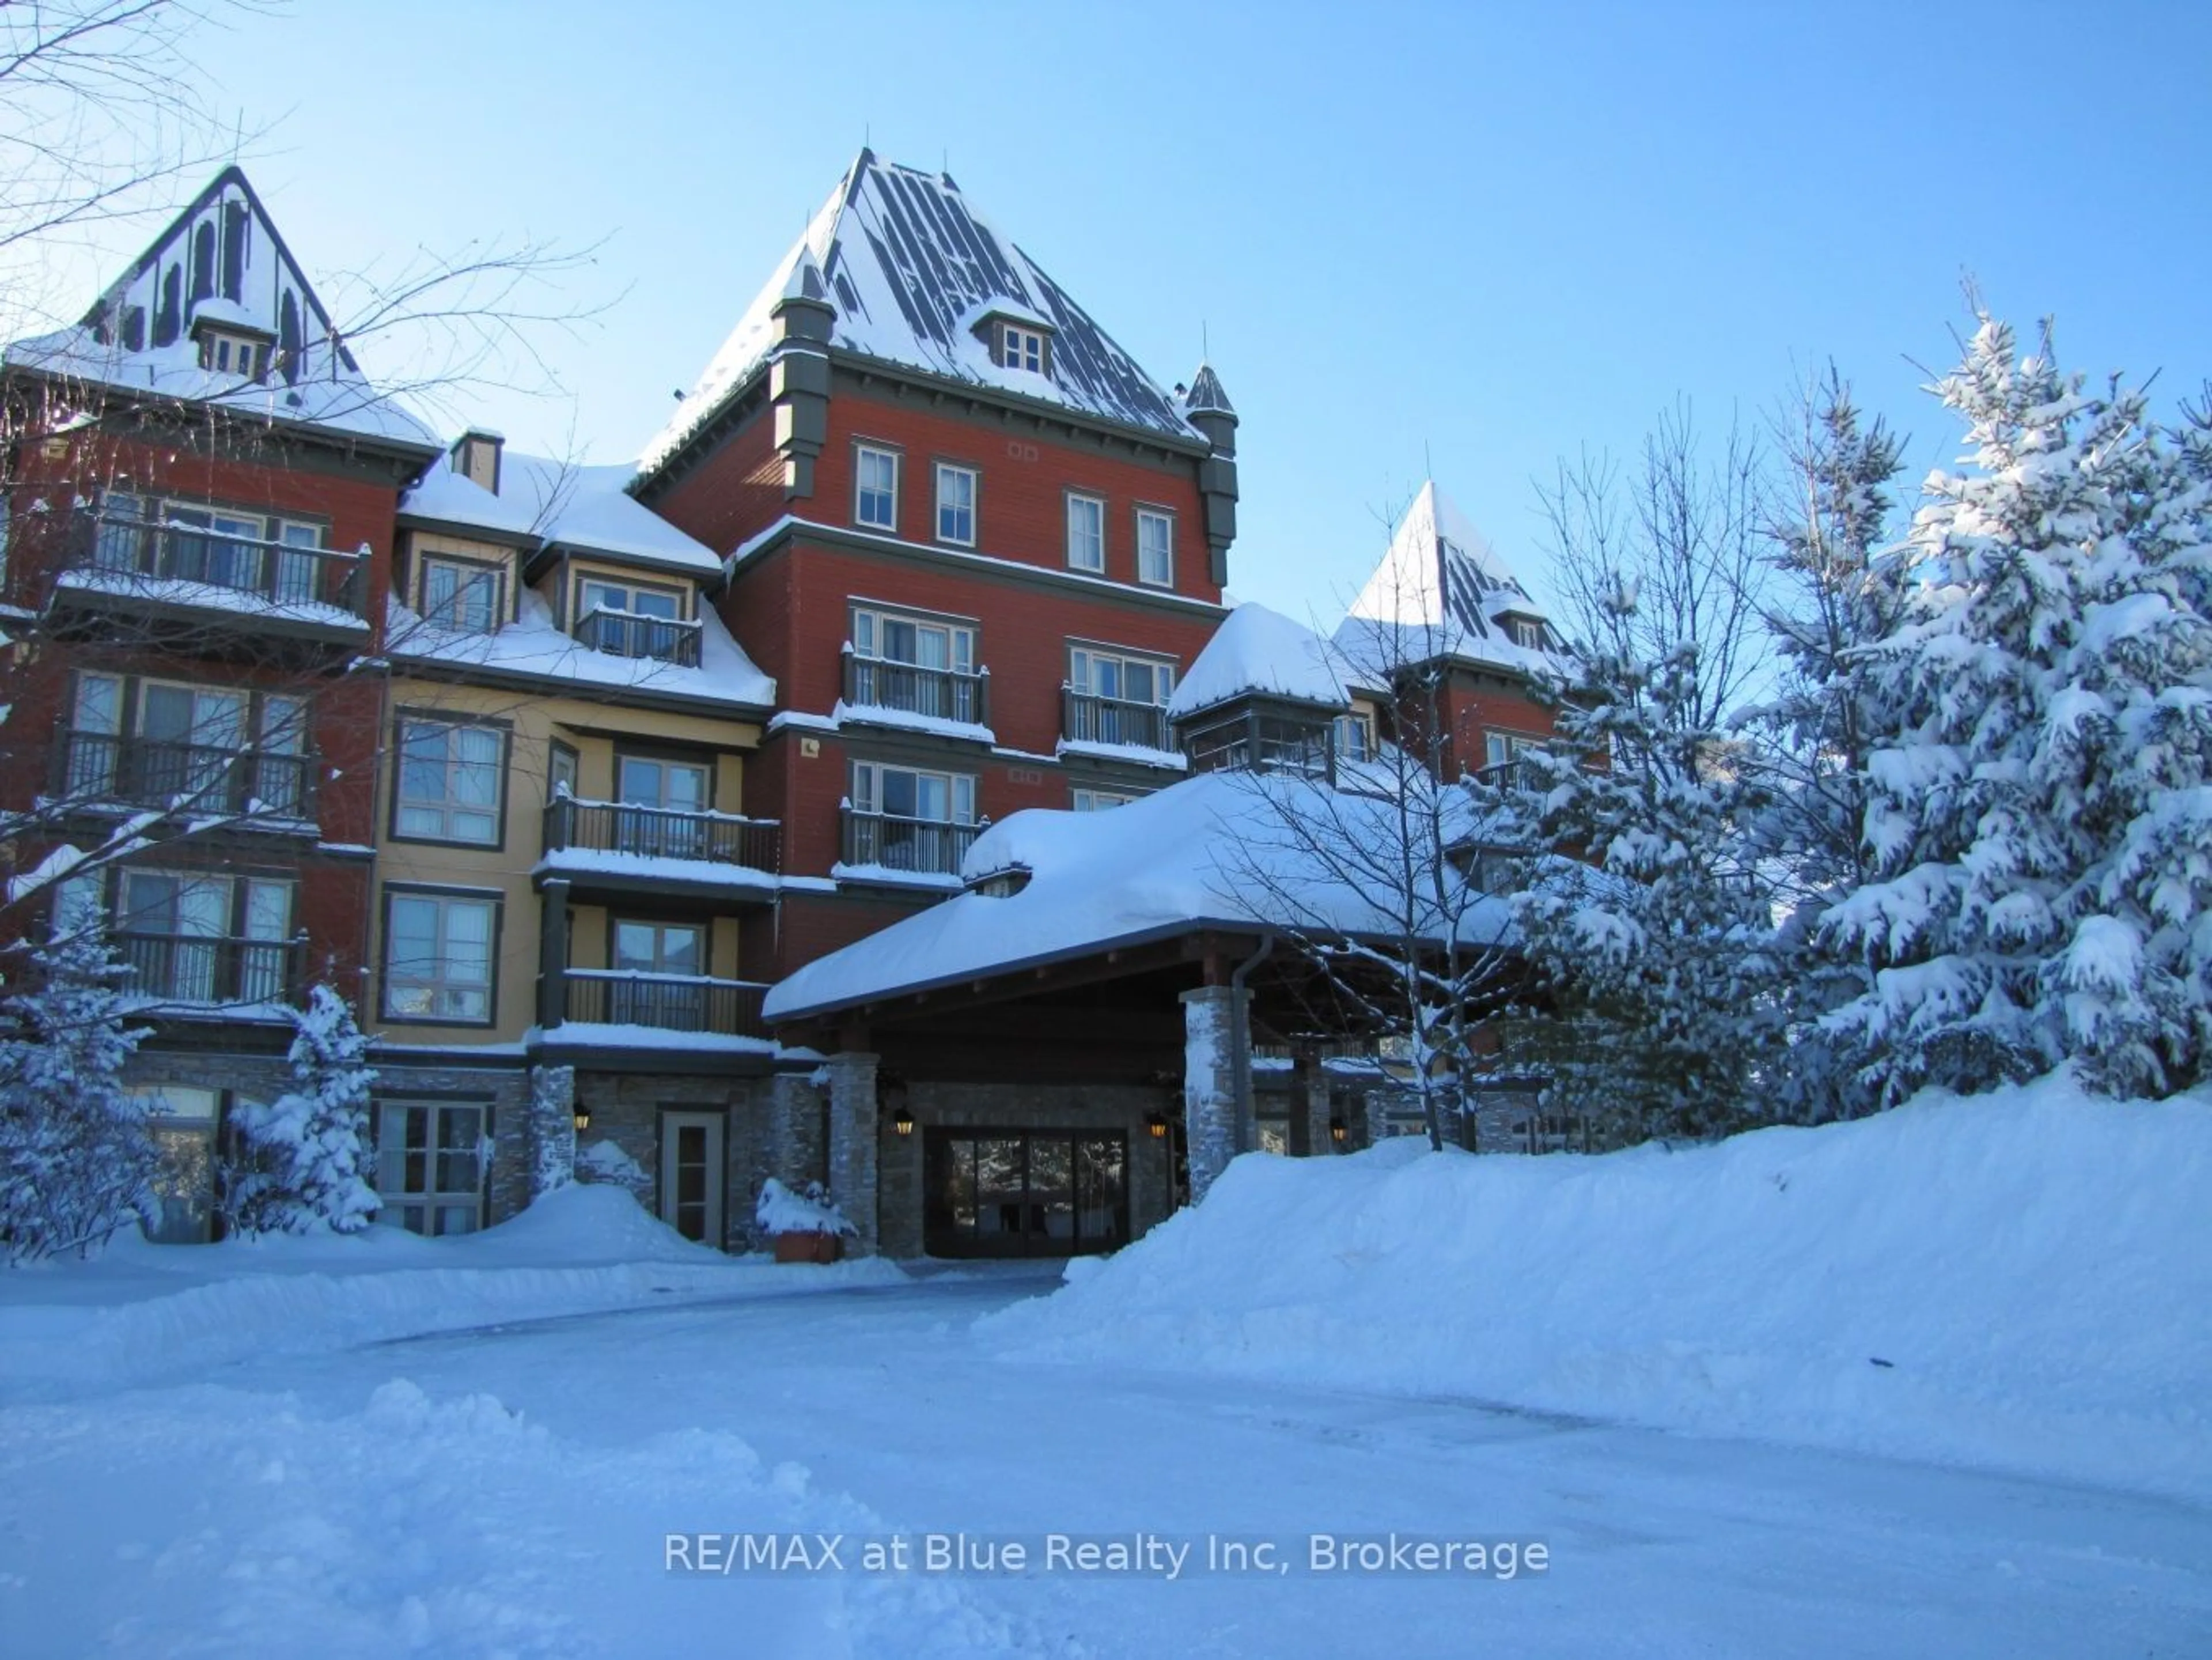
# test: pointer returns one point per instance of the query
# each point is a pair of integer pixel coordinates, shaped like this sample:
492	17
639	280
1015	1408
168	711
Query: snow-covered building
200	503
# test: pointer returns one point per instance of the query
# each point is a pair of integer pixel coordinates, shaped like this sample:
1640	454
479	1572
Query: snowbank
2021	1280
147	1311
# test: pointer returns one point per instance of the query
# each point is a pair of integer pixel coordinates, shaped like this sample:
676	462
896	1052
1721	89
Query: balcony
908	689
206	972
198	778
1115	722
169	566
626	634
924	847
664	1002
595	845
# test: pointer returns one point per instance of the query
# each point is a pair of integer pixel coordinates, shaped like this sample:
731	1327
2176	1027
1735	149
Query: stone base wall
626	1111
504	1090
1121	1107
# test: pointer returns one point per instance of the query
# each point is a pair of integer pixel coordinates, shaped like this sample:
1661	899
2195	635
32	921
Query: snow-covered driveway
510	1490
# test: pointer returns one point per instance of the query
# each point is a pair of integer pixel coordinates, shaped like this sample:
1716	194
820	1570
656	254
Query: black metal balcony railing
1093	720
202	968
939	694
662	833
667	1002
924	846
281	573
148	772
624	634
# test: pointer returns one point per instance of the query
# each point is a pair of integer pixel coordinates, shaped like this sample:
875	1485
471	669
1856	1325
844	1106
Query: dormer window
461	593
232	346
1525	632
1021	348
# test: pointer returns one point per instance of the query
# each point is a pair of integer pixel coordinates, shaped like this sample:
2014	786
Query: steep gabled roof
551	502
222	260
1442	586
910	268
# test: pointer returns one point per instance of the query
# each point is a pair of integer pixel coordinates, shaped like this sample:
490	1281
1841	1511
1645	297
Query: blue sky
1491	234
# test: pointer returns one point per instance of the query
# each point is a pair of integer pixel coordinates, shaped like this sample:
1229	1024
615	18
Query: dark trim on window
645	918
493	897
897	452
502	611
449	718
675	754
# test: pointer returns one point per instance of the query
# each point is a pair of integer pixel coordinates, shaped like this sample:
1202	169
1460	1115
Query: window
183	1120
956	504
1022	348
430	1166
438	957
662	801
560	771
231	354
1118	699
1526	633
659	949
1355	738
595	593
1500	747
186	741
459	595
1086	533
1155	548
1099	800
449	782
875	498
202	937
904	792
915	663
908	820
229	548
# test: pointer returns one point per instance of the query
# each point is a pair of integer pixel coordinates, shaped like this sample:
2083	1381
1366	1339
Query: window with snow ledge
1355	736
1118	698
1090	800
914	663
1021	348
904	818
467	595
240	352
1001	883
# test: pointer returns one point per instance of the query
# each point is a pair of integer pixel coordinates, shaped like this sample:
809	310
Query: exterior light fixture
1157	1124
583	1118
903	1122
1338	1129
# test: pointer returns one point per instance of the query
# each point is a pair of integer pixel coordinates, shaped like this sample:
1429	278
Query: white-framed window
890	637
233	354
1086	533
430	1165
1525	633
438	957
1355	736
632	598
1021	348
1500	747
459	593
956	504
938	798
1087	800
875	487
450	781
1119	676
1155	548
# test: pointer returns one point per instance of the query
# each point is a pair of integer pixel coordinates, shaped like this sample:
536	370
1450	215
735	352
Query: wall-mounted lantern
903	1122
1338	1130
1157	1124
583	1118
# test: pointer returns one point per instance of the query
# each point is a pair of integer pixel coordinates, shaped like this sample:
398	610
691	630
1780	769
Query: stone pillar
552	1129
795	1151
898	1186
1310	1136
853	1132
1209	1083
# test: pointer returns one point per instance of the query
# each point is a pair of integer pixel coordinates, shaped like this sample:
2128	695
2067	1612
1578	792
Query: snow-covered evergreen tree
1656	950
77	1156
308	1164
1834	595
2038	819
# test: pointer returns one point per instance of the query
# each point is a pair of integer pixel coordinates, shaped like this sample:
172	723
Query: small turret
1205	406
798	376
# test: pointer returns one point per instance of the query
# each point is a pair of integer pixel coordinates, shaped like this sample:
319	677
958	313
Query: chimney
476	456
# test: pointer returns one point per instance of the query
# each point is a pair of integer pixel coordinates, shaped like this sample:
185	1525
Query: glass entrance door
691	1174
1025	1192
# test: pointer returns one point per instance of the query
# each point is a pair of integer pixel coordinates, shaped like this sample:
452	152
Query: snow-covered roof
221	260
1212	850
1207	395
532	646
908	267
1442	580
1259	651
583	507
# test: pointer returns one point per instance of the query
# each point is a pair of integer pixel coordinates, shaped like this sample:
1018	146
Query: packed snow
559	503
2021	1281
1256	650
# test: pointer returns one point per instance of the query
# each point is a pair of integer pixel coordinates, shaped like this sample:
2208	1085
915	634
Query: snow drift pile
2021	1280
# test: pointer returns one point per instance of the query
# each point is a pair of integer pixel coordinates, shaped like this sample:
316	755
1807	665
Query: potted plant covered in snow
806	1226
